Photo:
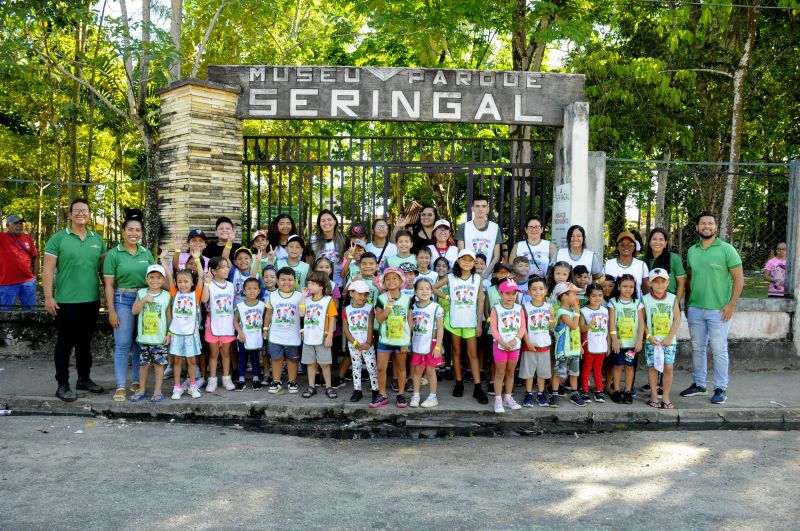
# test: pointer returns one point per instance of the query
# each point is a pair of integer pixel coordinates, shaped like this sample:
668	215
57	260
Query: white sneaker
194	392
414	401
200	382
185	384
430	402
509	402
498	405
168	372
176	393
424	381
211	386
227	383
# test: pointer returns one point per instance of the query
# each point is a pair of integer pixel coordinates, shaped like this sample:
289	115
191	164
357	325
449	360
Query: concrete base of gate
767	399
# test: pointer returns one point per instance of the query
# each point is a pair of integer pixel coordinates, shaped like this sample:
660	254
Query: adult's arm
460	236
737	274
35	262
597	267
48	273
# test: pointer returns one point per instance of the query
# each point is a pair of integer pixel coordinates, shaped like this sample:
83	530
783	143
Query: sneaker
562	391
414	401
575	398
356	396
292	387
695	390
510	403
257	385
528	400
379	401
498	405
211	386
627	398
374	396
227	383
616	397
720	397
194	391
395	385
400	401
553	401
338	382
185	384
431	401
240	385
586	396
88	385
177	392
200	381
490	389
479	395
458	389
276	387
66	394
599	398
645	387
542	400
168	372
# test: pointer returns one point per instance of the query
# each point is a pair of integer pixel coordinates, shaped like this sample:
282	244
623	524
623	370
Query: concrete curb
322	418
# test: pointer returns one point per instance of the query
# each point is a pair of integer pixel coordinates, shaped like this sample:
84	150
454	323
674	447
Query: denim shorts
153	355
669	354
618	358
391	349
185	346
278	352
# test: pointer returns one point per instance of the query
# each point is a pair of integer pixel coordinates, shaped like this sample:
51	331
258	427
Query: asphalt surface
79	473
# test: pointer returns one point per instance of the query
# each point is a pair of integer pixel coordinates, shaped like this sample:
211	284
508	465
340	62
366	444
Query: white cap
441	223
658	273
466	252
563	287
155	268
359	286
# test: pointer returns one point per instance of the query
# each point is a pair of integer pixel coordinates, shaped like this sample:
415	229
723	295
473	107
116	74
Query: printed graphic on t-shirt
184	306
464	296
421	322
253	319
539	320
598	323
481	245
284	313
314	316
150	319
509	323
358	321
223	304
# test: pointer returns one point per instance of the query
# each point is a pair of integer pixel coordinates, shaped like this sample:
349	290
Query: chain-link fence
644	194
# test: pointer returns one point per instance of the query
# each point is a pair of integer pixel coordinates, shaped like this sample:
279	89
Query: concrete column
595	209
200	151
793	251
571	153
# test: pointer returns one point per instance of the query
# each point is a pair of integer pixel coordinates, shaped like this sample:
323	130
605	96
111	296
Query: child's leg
652	379
277	368
616	378
326	374
416	375
344	366
383	363
430	371
585	370
177	363
225	350
213	354
628	378
159	369
243	354
372	367
509	373
598	372
203	361
400	366
143	370
573	382
355	359
255	364
667	383
311	371
472	354
499	375
291	367
190	369
456	344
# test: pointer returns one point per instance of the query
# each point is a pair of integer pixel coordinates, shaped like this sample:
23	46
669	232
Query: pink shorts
427	360
504	356
211	339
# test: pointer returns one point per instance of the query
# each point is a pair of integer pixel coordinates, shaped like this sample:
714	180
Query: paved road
128	475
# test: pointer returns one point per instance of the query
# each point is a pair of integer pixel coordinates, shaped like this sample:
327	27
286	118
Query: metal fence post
793	250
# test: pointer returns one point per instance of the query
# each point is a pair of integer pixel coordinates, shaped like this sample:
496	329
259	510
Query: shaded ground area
126	475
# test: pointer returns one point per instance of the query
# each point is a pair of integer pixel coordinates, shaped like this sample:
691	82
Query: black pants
75	325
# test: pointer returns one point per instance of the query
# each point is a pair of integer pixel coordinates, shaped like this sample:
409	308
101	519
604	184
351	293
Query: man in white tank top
481	235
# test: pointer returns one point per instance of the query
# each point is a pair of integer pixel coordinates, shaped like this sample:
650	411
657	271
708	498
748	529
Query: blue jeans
707	326
124	336
25	292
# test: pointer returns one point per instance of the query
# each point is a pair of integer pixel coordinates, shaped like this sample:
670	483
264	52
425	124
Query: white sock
416	395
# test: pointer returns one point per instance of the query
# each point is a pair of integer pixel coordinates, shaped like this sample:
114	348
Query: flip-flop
653	403
138	397
667	405
157	398
119	394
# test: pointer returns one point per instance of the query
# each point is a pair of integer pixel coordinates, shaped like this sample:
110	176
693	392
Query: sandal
309	392
119	394
135	388
157	398
331	392
667	405
653	403
138	397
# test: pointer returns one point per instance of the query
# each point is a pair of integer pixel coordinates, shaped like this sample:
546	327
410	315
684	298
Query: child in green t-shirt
625	324
568	342
155	313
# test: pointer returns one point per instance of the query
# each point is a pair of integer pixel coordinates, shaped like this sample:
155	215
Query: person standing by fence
19	266
775	271
72	296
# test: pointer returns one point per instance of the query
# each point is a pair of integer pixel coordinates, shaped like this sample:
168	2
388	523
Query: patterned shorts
153	355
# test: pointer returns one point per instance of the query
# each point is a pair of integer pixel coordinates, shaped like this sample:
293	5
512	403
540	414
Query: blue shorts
185	346
618	358
278	352
391	349
669	354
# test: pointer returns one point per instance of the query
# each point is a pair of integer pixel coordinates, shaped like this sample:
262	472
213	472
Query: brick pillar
200	156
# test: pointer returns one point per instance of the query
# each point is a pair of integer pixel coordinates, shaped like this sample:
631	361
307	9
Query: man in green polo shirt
72	263
714	284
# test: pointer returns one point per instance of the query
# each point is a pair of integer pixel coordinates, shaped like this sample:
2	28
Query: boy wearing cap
155	313
568	342
391	312
358	326
193	258
662	320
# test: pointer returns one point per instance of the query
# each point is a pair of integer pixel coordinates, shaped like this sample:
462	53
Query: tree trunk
661	191
732	179
176	23
152	224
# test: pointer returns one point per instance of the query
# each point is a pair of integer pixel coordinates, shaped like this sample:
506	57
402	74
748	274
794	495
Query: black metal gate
361	178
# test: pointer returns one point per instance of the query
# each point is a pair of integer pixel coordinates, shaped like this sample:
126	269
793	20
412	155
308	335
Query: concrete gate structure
201	133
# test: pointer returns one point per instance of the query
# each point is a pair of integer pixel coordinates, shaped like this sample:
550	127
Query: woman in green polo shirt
124	274
658	255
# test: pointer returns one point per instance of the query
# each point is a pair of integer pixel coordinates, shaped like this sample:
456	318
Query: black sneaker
564	391
695	390
357	396
256	385
554	401
586	397
575	398
292	387
720	397
89	385
490	389
395	385
374	396
400	401
338	382
627	398
616	397
66	394
240	385
479	395
645	387
599	398
458	389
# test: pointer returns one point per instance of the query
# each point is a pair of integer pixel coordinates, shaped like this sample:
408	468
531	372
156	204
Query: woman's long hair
663	260
339	239
273	236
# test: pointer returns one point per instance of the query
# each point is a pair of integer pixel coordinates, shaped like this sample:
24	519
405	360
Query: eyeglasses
384	227
445	229
80	211
534	227
426	214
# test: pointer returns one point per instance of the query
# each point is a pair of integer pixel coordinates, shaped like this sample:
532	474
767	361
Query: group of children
281	312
